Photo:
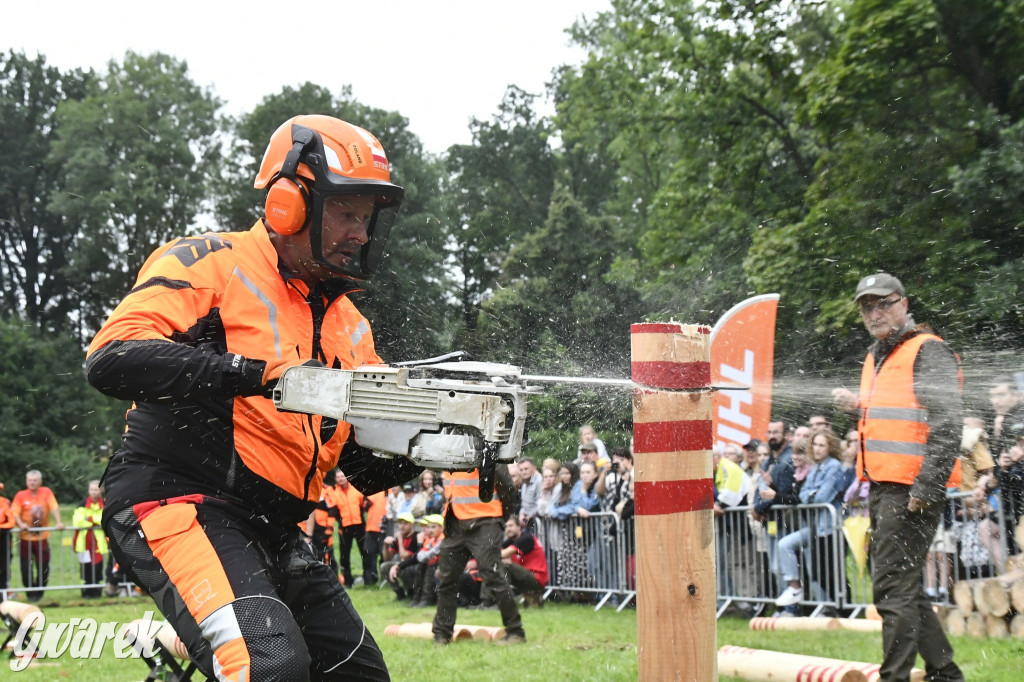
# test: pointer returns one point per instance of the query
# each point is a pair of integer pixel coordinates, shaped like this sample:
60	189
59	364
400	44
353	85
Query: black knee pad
276	647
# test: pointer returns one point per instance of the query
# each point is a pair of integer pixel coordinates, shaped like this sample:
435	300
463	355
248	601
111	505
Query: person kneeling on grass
400	557
525	563
427	560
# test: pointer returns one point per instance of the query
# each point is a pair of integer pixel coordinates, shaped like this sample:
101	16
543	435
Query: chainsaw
442	413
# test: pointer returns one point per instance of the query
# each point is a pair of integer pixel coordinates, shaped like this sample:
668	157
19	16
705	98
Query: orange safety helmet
311	158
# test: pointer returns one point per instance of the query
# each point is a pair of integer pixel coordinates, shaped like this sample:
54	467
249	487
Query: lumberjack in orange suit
206	493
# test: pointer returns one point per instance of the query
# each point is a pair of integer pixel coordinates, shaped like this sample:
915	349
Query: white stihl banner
743	352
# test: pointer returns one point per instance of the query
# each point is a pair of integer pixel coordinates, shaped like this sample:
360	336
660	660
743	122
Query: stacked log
989	607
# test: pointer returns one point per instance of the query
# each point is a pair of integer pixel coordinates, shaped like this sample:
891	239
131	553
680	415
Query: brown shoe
512	638
535	599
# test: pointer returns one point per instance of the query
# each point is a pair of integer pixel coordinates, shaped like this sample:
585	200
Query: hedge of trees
703	152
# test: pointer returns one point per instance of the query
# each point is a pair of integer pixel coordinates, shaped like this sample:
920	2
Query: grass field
567	643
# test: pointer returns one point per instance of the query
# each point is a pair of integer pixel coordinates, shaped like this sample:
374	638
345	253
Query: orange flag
743	352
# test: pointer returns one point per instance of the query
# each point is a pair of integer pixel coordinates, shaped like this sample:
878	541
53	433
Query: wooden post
674	495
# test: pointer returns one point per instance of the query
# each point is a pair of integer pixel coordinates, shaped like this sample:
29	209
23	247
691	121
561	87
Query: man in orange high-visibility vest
476	529
910	427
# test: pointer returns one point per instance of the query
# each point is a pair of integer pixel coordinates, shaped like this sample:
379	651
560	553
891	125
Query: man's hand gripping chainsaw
455	416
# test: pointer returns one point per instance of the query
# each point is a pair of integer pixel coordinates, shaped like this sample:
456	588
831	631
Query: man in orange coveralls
205	494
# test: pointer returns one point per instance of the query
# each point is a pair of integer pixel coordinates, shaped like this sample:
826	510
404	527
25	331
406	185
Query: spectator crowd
792	516
788	509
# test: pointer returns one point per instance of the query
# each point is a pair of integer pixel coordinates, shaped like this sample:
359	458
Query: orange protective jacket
183	344
349	503
6	514
377	511
460	492
894	425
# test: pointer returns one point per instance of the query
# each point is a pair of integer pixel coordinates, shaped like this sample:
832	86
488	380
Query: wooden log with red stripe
674	494
759	665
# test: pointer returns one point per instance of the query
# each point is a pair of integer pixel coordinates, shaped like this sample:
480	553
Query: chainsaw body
455	416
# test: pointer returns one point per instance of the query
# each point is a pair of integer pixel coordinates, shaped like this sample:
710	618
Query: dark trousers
92	573
899	546
248	598
5	558
480	538
522	579
404	583
34	554
373	544
348	536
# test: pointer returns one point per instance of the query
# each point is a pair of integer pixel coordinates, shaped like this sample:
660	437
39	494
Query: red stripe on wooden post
673	497
675	375
678	436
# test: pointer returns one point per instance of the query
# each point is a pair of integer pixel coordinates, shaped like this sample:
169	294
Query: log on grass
956	622
963	595
996	627
17	611
1017	595
425	631
976	625
794	624
859	625
484	633
1017	626
991	598
759	665
146	633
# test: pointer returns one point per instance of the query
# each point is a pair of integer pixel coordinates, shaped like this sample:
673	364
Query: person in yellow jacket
911	419
476	529
89	542
206	493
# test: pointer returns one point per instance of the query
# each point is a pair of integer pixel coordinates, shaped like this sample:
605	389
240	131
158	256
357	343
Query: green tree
34	241
50	418
499	188
697	104
136	155
918	132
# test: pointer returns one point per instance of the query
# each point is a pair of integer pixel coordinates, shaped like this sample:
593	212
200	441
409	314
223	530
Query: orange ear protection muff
287	205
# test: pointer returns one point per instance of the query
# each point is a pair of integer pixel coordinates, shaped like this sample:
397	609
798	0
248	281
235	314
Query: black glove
371	474
259	377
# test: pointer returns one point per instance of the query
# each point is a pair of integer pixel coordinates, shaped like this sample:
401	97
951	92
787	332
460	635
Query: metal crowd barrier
595	555
749	562
592	555
50	566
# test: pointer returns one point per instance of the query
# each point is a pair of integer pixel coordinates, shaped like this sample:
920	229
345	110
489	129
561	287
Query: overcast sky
437	63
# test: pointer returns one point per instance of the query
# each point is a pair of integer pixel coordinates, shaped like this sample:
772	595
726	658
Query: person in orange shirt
6	523
32	508
373	540
350	504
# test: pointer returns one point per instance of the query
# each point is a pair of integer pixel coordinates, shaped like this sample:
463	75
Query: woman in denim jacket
824	484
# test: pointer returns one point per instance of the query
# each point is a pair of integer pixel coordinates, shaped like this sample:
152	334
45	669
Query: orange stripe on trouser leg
195	570
231	661
188	558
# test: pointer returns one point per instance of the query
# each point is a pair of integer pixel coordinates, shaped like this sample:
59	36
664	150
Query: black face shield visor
387	198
